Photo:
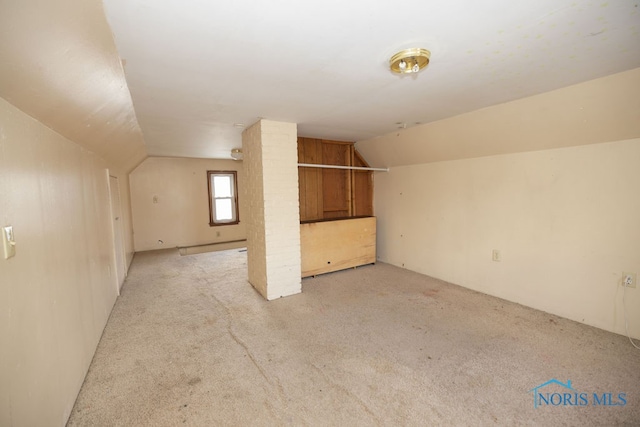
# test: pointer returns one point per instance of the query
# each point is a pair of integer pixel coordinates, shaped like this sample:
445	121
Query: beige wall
180	215
56	294
565	221
600	110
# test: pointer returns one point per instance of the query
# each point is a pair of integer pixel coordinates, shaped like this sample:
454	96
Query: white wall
565	220
56	294
180	215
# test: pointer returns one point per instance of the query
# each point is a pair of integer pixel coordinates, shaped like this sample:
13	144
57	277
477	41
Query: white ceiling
197	67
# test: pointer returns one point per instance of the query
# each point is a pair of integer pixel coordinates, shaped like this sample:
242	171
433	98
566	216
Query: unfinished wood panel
302	179
336	193
327	246
362	184
332	193
310	179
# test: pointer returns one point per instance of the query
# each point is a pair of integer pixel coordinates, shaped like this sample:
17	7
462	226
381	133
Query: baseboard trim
212	247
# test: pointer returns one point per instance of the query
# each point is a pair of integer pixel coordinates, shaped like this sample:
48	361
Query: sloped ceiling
195	68
597	111
59	64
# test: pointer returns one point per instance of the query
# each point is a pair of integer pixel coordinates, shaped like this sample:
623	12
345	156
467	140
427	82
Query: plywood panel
335	245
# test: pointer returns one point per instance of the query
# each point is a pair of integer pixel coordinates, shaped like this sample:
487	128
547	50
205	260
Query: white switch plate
8	242
496	255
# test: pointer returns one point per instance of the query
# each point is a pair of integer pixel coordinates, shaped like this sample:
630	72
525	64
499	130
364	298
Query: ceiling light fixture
236	154
409	60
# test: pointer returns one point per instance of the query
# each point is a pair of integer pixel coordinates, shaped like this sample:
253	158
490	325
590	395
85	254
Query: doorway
118	231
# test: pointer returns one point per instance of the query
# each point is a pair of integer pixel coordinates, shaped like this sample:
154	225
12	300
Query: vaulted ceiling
196	70
59	64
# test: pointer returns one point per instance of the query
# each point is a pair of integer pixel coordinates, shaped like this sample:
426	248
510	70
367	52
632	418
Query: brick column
270	156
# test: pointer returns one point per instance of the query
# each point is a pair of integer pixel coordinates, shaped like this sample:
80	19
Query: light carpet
190	342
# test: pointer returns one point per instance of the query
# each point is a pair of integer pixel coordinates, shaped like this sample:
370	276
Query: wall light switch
8	242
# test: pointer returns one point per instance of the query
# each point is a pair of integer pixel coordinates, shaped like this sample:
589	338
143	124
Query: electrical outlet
629	280
496	255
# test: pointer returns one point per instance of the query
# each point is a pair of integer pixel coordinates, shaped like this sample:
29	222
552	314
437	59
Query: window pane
223	198
222	186
224	210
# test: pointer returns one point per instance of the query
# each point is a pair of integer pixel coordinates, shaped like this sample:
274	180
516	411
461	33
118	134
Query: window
223	197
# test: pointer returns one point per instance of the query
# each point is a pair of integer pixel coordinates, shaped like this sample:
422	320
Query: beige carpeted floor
190	342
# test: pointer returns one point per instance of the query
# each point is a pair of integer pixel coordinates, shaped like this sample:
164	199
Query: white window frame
213	221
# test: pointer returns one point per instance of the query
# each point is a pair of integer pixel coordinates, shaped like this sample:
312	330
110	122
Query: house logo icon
546	398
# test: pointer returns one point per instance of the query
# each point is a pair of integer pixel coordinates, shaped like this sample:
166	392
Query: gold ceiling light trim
236	153
409	60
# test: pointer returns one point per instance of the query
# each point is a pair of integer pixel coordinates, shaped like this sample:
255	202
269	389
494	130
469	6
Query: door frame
117	230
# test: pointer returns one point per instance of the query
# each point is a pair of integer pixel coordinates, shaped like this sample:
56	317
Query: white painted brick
273	226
